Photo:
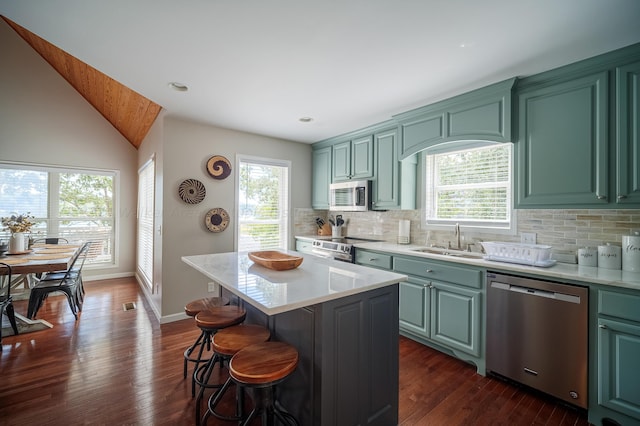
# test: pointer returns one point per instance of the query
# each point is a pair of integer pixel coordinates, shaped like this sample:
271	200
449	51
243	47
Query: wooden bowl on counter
275	260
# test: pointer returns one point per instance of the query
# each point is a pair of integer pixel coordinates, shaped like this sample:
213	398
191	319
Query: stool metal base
203	340
201	377
269	408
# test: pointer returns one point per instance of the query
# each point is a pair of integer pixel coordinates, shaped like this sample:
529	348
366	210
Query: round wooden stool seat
220	317
226	343
192	308
263	363
233	339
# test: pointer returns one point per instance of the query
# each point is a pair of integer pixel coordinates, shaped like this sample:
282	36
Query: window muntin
262	204
471	187
74	204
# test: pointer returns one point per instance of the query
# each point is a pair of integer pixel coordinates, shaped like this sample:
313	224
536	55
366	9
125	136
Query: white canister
588	256
631	252
609	257
336	231
17	243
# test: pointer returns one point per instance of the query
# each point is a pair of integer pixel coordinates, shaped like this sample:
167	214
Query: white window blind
71	203
146	209
471	187
263	204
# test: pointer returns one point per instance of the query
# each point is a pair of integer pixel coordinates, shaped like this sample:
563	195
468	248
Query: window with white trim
146	214
76	204
472	187
262	204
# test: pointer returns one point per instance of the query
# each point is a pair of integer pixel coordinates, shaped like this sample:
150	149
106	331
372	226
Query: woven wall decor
192	191
219	167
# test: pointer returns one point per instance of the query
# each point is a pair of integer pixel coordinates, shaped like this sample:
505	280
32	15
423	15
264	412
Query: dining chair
68	282
6	303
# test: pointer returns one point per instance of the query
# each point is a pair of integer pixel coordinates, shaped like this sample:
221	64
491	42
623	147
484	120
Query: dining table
38	259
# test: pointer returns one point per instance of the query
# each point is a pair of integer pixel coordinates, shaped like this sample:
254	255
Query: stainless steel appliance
336	248
537	335
351	196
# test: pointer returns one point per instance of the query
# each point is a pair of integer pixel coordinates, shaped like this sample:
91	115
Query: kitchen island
342	318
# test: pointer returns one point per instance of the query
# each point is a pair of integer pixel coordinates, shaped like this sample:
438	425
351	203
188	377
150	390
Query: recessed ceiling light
178	86
305	119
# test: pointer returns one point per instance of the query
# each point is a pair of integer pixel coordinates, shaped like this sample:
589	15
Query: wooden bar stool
192	309
227	343
210	321
261	367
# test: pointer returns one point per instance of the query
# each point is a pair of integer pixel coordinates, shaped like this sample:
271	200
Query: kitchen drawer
437	271
370	258
619	305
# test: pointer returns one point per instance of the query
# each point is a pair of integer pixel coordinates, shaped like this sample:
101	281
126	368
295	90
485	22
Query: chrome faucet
457	233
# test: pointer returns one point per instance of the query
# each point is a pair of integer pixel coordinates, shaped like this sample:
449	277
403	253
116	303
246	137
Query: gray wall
43	120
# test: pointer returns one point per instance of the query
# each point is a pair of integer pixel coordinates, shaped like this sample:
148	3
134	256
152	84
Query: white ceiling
260	65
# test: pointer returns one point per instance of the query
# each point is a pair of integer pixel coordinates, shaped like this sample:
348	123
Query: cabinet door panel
618	372
562	147
386	186
341	164
362	158
456	317
628	133
321	162
414	306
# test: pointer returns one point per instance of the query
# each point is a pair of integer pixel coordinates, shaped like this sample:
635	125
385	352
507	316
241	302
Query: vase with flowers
20	226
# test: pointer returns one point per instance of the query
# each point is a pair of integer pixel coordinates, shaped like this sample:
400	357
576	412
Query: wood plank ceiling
129	112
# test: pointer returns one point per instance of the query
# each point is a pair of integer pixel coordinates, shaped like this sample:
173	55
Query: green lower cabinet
456	318
304	246
615	378
619	367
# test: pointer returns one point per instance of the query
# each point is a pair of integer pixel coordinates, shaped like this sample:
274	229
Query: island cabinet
615	388
441	304
348	368
567	122
321	178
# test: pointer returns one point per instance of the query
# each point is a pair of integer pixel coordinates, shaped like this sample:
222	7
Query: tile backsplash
564	230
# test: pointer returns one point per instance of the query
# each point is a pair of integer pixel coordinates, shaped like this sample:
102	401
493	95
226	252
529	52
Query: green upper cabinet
627	133
353	159
386	186
484	114
321	163
562	147
577	134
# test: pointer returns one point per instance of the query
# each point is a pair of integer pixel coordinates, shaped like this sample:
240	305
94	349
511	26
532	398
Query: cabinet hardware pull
602	197
621	197
428	271
373	259
602	326
432	286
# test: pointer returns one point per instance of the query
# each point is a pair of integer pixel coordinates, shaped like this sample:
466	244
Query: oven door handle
322	253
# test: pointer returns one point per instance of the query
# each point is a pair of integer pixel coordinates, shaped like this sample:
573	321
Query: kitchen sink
449	252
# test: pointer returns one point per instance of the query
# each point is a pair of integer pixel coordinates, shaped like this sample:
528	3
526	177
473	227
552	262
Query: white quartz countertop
316	280
564	271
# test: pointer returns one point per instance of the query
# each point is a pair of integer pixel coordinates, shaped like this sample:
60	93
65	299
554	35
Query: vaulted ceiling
260	65
129	112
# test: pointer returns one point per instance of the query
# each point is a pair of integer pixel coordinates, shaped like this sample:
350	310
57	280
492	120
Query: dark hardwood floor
122	367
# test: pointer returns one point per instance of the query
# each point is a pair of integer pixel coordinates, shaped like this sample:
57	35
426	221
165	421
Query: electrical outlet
528	238
212	287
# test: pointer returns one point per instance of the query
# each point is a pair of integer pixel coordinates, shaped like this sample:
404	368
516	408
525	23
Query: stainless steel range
337	248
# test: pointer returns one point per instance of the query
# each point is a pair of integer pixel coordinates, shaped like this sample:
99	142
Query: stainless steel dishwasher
537	335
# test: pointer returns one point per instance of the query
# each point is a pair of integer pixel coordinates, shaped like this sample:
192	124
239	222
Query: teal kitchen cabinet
353	159
394	181
562	148
483	114
577	134
615	392
304	246
321	178
441	304
628	133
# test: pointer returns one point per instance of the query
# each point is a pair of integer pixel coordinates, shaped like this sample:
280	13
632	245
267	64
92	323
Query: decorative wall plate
216	220
219	167
192	191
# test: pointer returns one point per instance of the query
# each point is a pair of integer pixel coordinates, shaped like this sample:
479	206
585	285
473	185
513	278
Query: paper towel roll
404	230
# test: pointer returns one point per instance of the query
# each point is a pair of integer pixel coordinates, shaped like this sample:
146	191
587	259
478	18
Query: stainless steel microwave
351	196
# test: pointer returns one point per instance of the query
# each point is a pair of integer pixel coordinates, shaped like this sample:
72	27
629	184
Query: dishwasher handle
536	292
